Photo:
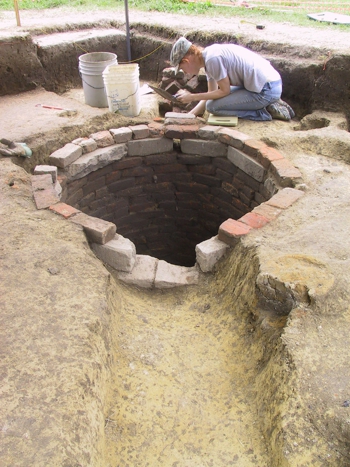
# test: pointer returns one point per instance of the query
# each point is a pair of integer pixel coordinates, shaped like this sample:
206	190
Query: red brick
270	212
285	198
181	132
268	155
254	220
231	231
103	138
252	147
64	210
156	129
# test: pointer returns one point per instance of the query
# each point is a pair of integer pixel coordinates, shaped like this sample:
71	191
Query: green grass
207	8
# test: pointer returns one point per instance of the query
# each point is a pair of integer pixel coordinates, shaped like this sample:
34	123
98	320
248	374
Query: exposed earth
96	373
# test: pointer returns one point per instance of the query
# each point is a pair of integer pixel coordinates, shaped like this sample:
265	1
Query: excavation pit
181	201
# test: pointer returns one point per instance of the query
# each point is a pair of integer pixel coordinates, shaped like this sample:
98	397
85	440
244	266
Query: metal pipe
128	49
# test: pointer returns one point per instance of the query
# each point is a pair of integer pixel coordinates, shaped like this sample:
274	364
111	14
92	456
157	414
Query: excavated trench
199	375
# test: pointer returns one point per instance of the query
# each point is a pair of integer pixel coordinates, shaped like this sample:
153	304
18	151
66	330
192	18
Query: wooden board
222	121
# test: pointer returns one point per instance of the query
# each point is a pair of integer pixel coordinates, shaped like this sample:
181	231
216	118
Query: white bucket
122	86
91	67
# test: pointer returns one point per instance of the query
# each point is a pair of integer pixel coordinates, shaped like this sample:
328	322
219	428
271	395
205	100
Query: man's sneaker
279	111
290	110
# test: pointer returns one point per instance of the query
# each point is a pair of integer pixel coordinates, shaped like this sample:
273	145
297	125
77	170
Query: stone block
285	198
143	272
149	146
97	230
140	131
209	252
63	157
64	210
95	160
46	169
103	138
121	135
203	148
246	163
169	275
119	253
231	231
232	137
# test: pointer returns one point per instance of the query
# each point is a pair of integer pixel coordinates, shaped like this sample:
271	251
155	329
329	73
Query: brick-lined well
169	187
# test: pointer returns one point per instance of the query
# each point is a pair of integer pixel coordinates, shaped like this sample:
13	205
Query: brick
222	175
95	185
126	163
203	148
242	179
184	120
95	160
139	131
207	180
103	138
285	172
206	169
267	155
192	187
229	188
169	168
97	230
209	252
45	198
253	147
181	131
121	135
156	159
149	146
75	197
41	182
285	198
209	132
180	116
87	144
122	184
63	157
119	253
168	275
221	194
47	169
139	171
231	231
156	129
232	137
143	272
64	210
191	159
224	164
246	163
113	176
254	220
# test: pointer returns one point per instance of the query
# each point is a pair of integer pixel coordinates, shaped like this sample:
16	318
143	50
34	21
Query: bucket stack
91	66
122	87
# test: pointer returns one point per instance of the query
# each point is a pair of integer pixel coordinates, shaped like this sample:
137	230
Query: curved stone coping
85	155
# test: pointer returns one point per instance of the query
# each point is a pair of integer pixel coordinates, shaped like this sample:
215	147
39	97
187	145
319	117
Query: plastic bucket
122	86
91	67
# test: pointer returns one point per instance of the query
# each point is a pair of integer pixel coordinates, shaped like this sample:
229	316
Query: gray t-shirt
242	66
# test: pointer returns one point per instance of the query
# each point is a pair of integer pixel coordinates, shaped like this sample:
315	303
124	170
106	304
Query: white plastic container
122	86
91	67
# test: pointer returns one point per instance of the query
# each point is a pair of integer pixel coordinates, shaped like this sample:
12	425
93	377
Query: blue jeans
246	104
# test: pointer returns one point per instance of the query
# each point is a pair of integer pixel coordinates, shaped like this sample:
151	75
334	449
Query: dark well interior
167	203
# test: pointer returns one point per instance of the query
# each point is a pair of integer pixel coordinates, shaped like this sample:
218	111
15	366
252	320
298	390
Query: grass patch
207	8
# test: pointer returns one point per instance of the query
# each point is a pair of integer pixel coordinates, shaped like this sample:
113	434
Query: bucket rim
84	58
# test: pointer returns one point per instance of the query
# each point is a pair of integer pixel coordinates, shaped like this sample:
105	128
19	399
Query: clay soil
95	373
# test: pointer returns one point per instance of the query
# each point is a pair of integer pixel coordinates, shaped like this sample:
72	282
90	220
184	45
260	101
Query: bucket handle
93	87
130	95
